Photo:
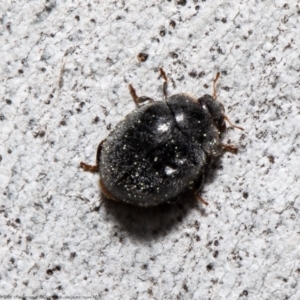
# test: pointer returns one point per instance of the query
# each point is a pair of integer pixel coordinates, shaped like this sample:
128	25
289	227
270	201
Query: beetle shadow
212	172
147	223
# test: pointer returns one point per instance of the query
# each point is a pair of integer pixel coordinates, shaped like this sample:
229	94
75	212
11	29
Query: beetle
162	149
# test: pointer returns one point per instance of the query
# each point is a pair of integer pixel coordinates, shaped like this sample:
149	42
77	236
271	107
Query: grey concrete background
65	68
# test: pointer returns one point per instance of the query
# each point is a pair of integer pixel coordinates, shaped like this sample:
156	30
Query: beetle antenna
133	94
214	85
232	125
165	84
201	199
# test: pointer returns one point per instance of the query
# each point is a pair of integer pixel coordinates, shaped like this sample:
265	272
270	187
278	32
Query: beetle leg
144	99
214	86
89	168
165	84
201	199
138	100
229	148
198	187
232	125
95	168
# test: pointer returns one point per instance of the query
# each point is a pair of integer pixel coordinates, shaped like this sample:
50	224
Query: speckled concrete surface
65	67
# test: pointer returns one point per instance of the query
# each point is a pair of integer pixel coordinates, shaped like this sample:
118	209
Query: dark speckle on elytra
209	267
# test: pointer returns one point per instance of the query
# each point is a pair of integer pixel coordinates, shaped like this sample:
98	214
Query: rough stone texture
64	70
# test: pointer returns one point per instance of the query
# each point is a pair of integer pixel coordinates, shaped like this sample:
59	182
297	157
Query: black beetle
162	149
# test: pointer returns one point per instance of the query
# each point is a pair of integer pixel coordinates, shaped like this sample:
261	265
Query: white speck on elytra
169	170
179	117
163	127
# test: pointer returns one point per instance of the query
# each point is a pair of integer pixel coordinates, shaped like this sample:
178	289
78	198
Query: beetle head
216	110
